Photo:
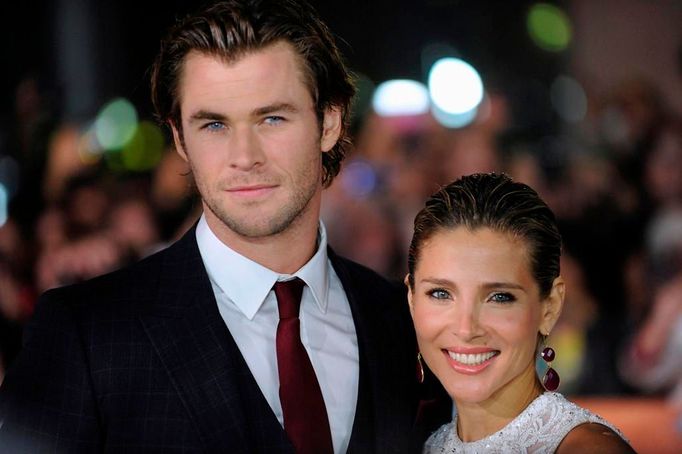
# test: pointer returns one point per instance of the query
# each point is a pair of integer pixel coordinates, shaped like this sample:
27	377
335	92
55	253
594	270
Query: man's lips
251	190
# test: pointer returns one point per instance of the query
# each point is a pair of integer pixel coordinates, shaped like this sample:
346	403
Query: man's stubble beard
250	224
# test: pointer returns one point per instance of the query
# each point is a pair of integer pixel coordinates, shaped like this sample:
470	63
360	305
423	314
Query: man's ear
331	128
410	301
552	306
177	140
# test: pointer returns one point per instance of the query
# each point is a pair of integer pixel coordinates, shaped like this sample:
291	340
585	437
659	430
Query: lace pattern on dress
538	429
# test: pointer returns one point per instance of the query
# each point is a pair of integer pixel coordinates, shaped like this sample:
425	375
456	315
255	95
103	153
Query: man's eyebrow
202	115
278	107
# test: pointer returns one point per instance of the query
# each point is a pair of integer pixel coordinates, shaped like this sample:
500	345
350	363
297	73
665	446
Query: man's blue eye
273	119
214	126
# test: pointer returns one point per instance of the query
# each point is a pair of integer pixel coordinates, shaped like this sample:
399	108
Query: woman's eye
439	294
502	297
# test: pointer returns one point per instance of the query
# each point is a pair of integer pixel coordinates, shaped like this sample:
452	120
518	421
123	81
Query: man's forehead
269	64
284	53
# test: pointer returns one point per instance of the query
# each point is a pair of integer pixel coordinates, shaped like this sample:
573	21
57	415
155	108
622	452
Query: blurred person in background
16	292
365	228
90	231
650	360
173	197
25	137
200	346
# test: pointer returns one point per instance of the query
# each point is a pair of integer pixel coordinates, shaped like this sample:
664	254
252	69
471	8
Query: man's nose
245	151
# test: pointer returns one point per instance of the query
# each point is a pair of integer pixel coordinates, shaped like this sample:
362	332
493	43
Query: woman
484	291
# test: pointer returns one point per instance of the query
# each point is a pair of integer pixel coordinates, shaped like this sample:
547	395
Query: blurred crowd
614	180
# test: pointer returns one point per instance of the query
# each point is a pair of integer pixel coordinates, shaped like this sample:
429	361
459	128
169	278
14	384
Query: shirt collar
247	283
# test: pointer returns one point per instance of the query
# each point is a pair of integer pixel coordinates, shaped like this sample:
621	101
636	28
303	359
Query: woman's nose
466	322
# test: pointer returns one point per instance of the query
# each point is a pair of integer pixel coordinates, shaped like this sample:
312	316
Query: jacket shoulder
131	289
116	285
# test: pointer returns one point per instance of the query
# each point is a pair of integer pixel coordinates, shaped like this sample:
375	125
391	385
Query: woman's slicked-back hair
233	28
496	202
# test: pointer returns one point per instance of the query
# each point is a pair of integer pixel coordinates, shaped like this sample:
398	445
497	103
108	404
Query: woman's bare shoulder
593	438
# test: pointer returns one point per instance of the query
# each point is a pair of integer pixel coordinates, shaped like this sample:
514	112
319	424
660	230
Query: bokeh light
359	178
455	86
4	205
400	97
116	124
568	99
454	120
549	27
143	151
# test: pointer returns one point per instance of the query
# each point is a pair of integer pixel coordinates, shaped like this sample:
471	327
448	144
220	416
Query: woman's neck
481	419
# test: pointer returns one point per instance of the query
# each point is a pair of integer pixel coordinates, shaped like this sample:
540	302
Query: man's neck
284	253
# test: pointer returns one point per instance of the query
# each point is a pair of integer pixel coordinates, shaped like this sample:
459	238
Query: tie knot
288	295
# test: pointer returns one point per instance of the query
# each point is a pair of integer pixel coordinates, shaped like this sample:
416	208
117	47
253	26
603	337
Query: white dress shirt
247	303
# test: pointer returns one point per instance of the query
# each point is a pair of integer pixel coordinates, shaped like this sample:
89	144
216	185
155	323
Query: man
185	351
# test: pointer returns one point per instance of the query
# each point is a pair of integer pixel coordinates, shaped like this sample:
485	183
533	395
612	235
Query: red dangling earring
420	369
551	378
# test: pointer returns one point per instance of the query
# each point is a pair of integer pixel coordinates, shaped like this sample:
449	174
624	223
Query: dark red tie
305	416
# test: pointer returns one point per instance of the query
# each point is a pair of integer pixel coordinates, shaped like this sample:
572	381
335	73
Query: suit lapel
382	414
203	360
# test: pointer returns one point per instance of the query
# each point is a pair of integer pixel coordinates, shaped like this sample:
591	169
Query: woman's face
477	312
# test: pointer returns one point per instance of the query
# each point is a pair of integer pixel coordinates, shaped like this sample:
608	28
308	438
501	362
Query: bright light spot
450	120
569	99
143	151
549	27
116	123
359	178
4	205
455	86
400	98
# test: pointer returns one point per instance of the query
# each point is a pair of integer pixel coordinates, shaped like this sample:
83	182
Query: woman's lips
470	361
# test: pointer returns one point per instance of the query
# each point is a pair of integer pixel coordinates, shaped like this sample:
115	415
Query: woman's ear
552	306
409	294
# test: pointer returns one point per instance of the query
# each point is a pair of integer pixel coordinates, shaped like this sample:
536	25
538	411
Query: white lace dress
538	429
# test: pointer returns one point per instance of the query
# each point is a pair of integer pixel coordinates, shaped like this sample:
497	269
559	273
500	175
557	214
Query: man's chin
254	229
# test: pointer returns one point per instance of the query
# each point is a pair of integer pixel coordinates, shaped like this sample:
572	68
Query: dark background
109	51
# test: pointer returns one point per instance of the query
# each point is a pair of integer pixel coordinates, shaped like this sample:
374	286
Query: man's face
253	140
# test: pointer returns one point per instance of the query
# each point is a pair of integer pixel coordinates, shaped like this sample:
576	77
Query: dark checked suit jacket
141	361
